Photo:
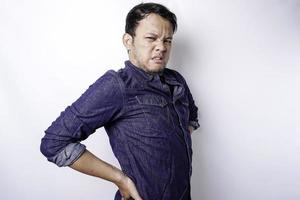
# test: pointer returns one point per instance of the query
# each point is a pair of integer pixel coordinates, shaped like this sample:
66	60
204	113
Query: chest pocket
155	109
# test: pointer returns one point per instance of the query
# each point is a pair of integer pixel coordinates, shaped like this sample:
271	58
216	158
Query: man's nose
161	46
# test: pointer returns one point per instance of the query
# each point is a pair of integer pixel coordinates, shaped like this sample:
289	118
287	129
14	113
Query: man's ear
127	41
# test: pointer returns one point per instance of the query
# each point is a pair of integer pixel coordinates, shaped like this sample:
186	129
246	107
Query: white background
240	58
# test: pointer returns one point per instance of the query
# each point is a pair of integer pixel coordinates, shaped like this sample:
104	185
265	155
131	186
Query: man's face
150	48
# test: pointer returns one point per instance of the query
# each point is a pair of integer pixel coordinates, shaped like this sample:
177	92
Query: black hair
142	10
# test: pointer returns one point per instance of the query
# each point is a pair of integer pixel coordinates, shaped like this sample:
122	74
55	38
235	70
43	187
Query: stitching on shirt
121	85
146	118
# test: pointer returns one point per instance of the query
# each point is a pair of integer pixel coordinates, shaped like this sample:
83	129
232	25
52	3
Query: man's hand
191	129
127	188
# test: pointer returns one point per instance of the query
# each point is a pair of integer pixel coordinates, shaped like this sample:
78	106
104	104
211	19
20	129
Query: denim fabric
146	118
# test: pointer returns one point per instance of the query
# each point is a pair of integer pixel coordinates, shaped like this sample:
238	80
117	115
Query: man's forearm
89	164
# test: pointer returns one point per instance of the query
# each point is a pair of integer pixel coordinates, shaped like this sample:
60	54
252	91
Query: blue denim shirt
146	118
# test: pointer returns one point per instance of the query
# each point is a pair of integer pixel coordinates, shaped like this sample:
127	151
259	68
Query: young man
147	111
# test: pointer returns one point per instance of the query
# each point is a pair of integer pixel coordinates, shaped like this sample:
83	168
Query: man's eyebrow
153	34
156	35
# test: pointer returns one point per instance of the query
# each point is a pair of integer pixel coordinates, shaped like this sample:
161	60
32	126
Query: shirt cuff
68	155
194	124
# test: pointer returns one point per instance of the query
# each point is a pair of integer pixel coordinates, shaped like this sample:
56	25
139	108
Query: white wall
241	59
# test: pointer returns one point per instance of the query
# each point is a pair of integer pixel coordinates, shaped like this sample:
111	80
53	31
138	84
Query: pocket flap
154	100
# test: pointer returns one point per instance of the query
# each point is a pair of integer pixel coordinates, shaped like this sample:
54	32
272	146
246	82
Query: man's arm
89	164
99	104
193	117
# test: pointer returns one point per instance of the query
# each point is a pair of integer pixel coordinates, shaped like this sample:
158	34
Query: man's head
148	36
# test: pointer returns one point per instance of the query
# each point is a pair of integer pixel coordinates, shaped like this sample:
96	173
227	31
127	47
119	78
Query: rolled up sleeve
99	105
193	119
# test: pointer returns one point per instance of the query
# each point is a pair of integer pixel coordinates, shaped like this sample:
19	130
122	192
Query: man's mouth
157	58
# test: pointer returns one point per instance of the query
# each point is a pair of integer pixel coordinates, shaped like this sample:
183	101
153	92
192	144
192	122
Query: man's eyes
153	39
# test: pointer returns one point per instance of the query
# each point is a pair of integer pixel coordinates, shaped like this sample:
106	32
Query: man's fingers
135	195
128	190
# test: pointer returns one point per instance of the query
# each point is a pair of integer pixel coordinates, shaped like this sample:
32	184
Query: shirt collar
144	76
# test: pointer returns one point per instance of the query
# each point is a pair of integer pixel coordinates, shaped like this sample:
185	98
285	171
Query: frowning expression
150	47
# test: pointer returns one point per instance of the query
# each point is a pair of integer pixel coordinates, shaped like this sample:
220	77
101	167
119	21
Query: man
147	111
